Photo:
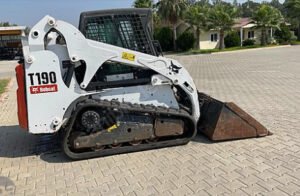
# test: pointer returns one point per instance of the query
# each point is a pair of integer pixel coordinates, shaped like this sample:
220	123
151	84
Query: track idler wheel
98	148
135	143
116	145
73	137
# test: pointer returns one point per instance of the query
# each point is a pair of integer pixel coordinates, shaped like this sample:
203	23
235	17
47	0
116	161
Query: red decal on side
43	89
21	97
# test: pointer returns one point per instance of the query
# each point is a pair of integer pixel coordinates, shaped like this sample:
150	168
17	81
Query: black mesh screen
120	30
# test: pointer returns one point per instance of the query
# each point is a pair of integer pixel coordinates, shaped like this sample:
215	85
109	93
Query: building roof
13	28
242	22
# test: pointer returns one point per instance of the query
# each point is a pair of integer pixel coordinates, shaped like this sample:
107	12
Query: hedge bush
232	39
248	42
283	35
185	41
165	37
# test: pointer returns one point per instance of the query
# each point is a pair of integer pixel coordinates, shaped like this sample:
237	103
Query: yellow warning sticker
112	128
128	56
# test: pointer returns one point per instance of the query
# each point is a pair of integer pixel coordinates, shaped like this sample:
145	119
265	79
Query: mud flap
226	121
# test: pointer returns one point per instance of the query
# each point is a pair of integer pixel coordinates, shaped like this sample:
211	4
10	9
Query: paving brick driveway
266	83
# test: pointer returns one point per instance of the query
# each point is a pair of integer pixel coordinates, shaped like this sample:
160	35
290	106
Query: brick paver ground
266	83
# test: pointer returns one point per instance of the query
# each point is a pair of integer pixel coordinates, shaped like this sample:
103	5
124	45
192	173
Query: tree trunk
298	32
198	38
263	37
221	45
174	37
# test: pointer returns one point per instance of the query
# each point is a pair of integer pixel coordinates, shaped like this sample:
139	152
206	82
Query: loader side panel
47	94
21	97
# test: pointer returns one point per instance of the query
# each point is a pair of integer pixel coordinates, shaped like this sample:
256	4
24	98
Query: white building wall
257	35
205	40
205	36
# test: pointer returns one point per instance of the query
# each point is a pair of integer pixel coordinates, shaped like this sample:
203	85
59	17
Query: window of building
250	34
214	37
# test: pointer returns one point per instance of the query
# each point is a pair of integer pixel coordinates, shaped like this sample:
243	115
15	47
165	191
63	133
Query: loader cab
126	28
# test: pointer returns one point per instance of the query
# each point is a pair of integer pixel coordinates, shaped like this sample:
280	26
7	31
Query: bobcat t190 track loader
108	90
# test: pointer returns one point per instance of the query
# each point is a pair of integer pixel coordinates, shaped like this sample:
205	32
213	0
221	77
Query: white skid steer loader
108	90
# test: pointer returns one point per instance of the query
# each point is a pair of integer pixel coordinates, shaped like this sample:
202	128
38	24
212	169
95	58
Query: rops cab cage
126	28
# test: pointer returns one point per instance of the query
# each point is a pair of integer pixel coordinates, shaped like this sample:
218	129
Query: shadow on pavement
17	143
201	138
7	186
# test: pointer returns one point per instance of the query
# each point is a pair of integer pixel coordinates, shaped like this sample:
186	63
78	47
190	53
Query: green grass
190	52
295	43
3	84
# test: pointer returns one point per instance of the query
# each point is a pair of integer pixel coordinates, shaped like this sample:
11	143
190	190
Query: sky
29	12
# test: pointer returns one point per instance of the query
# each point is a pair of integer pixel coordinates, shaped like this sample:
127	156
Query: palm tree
196	16
266	17
143	3
172	11
221	17
293	10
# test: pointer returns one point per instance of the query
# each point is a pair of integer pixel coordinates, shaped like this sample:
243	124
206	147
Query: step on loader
107	88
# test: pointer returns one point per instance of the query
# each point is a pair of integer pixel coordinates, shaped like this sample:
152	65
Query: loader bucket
226	121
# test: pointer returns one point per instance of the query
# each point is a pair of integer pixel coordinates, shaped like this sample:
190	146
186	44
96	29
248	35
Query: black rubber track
130	108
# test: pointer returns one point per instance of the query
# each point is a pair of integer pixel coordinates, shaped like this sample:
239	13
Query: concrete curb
4	96
250	49
229	52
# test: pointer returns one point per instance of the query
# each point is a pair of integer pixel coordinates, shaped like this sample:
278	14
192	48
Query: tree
172	11
186	41
235	3
221	17
266	17
165	37
248	8
143	4
232	39
6	24
277	4
191	2
283	35
196	16
203	3
293	11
